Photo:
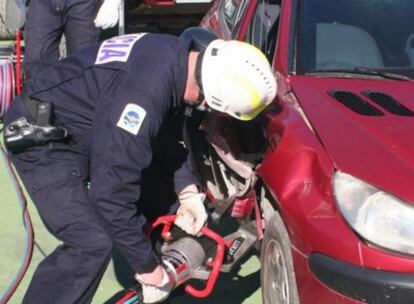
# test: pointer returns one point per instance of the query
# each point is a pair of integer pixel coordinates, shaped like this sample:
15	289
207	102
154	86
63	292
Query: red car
331	161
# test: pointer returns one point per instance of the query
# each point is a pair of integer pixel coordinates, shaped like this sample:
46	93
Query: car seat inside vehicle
345	46
409	48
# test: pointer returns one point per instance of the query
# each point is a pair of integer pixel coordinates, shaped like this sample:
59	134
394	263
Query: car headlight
379	217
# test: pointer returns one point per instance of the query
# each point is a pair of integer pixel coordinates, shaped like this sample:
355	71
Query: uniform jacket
113	98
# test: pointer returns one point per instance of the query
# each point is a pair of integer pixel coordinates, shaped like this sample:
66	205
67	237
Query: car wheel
277	272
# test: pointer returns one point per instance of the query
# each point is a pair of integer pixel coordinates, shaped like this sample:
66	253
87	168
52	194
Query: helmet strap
198	77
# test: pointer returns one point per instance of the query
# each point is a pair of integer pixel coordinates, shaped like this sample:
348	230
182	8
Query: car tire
277	273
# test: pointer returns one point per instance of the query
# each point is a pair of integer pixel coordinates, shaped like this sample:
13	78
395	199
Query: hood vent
355	103
388	103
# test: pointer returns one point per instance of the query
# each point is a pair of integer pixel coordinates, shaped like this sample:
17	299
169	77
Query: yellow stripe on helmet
254	113
253	93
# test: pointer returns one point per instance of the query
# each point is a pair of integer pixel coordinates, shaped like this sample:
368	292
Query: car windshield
358	37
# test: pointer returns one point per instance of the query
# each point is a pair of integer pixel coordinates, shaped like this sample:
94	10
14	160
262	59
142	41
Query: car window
263	29
350	34
231	12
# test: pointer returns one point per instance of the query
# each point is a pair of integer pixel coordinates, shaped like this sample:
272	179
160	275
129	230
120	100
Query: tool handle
167	220
216	264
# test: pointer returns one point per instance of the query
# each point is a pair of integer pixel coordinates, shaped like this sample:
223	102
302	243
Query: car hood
373	141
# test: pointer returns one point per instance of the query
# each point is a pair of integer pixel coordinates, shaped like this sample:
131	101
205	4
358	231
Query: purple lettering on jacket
117	48
117	45
110	53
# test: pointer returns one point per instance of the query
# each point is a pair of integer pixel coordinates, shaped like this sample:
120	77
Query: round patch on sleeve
132	118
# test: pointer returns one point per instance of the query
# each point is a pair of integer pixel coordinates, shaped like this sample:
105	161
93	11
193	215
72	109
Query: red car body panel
298	166
349	137
211	21
311	289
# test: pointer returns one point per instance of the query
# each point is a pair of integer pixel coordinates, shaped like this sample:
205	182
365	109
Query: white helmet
236	79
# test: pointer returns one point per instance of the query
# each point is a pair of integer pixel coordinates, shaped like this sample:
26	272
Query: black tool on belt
21	134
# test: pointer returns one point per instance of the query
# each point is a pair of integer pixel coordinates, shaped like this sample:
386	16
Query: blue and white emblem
132	118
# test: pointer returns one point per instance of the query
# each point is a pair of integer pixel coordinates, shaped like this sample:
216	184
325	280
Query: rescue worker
112	99
48	20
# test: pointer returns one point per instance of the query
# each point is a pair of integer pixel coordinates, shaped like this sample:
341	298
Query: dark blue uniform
113	99
47	20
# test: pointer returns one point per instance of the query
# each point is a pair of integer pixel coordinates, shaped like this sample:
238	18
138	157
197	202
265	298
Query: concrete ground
234	288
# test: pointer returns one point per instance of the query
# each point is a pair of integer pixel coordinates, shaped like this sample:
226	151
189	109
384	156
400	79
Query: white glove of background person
191	215
156	286
108	14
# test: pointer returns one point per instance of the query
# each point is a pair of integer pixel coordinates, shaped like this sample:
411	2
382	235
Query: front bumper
363	284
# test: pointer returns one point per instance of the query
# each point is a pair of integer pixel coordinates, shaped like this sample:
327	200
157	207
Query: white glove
108	14
155	293
191	215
